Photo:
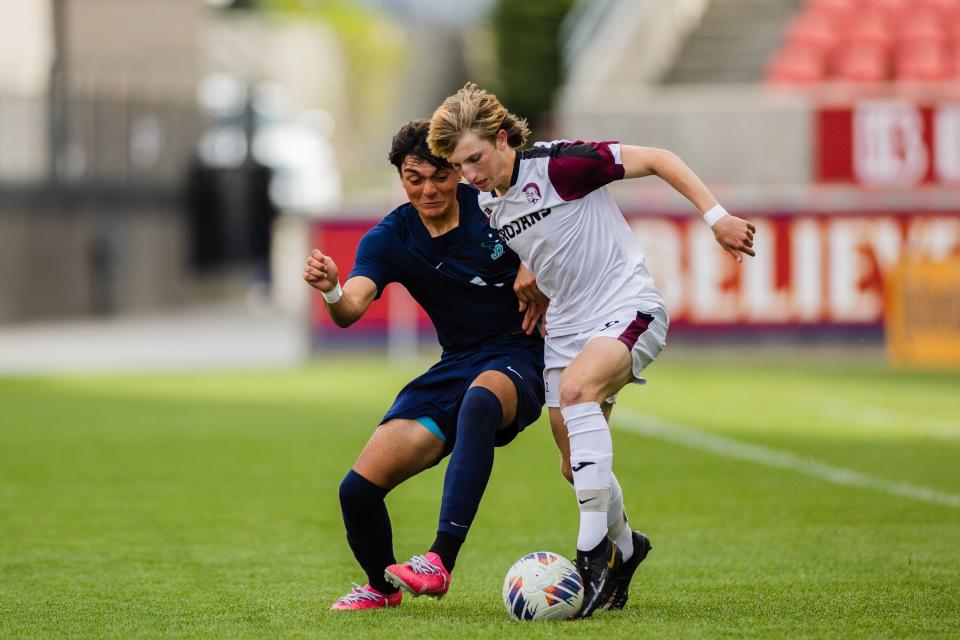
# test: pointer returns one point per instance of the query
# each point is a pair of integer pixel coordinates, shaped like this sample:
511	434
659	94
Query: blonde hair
473	109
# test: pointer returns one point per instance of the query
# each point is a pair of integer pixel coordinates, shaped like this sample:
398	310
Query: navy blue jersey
462	279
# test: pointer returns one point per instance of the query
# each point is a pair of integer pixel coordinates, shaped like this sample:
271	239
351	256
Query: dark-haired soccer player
487	386
607	321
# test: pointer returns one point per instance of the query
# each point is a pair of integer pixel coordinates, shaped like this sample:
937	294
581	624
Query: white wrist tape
334	295
713	215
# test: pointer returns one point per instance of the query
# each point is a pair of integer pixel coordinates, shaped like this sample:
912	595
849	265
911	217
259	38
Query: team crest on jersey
532	192
496	249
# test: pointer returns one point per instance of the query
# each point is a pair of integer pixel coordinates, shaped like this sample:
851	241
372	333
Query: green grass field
206	505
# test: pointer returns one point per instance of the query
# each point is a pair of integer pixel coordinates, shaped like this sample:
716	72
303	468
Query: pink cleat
366	597
420	576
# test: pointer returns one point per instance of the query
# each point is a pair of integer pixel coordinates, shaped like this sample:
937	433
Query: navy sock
368	527
470	464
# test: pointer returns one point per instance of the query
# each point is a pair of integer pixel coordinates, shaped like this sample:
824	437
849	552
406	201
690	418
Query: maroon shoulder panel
577	168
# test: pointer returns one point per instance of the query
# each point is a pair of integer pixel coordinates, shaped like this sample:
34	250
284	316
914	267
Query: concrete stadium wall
730	135
79	263
133	47
628	41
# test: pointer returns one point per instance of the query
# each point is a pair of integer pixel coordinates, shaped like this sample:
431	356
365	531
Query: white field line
729	448
873	417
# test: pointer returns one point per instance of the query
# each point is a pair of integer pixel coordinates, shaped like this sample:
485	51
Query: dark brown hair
411	140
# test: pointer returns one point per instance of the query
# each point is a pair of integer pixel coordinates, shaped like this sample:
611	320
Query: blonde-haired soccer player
606	321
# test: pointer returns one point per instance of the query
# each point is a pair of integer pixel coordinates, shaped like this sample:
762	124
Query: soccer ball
543	586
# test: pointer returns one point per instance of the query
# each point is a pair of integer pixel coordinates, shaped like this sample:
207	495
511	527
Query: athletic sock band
591	460
368	527
471	462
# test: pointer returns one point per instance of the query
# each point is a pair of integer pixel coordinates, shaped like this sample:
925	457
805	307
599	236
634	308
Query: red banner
824	270
339	240
812	270
889	143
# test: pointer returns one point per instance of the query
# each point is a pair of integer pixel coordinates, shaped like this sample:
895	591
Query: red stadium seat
832	5
947	10
862	63
921	27
868	28
892	10
953	32
870	42
927	62
812	31
796	65
839	12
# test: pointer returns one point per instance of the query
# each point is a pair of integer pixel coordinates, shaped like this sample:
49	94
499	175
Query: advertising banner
889	143
813	272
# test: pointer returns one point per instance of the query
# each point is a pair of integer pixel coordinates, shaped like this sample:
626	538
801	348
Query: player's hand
536	312
321	271
532	301
525	286
735	235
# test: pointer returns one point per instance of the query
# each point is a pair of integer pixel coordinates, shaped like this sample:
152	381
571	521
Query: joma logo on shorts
516	227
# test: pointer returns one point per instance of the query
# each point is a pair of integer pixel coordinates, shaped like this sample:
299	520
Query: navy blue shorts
437	394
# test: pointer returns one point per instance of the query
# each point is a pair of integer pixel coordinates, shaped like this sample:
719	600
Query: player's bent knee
347	490
483	411
573	391
503	388
496	381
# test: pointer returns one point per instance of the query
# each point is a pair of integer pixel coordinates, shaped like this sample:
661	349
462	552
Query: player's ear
501	140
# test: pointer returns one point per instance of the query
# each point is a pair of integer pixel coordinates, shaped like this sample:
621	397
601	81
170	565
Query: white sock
591	459
618	529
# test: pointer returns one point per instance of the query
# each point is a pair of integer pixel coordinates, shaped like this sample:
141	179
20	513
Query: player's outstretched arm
345	305
734	234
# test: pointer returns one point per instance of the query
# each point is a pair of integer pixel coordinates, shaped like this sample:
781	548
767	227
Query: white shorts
644	333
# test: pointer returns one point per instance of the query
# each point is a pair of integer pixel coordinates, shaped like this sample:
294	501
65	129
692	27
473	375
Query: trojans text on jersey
513	229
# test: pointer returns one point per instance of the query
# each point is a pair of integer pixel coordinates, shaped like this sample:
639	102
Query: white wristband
333	296
713	215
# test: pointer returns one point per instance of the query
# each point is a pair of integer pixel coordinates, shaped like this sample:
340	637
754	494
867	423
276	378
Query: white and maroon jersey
559	217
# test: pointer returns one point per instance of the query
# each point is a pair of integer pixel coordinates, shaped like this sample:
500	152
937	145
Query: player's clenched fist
321	271
735	235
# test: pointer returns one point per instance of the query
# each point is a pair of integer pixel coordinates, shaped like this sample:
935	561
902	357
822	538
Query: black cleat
618	597
598	569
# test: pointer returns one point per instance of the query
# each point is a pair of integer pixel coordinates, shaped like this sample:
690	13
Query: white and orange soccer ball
543	586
